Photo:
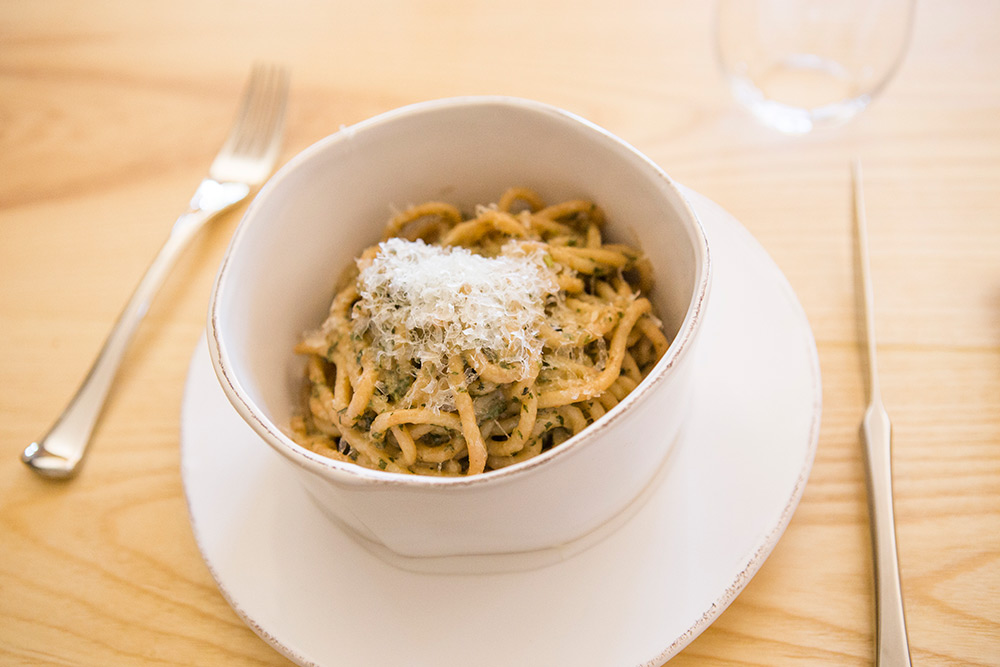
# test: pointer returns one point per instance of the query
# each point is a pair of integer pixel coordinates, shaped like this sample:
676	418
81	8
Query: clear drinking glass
799	65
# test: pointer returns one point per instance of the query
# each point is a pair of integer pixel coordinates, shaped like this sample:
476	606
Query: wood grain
110	112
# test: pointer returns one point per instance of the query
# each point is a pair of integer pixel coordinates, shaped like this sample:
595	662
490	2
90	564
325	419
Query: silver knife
891	644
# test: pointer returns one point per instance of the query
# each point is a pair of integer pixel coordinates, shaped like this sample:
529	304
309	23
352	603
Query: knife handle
892	648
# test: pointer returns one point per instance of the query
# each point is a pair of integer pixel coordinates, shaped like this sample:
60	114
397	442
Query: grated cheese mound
428	302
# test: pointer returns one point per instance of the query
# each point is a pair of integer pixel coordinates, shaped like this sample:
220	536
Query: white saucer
636	597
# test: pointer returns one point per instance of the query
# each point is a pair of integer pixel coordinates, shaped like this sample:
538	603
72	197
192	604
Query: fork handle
60	452
892	648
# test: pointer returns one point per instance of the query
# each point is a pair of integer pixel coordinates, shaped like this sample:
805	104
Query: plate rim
755	556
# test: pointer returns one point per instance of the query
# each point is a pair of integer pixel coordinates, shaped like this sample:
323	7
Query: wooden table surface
110	112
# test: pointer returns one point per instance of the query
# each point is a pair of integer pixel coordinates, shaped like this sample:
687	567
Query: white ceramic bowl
332	200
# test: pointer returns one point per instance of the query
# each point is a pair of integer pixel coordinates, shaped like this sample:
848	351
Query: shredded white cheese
428	302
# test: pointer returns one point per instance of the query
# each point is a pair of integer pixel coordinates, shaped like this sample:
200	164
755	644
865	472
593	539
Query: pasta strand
370	399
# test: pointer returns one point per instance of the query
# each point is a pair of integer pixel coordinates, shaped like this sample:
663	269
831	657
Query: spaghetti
462	344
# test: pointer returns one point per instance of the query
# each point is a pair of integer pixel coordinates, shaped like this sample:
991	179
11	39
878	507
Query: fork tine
259	94
261	109
238	127
270	113
253	142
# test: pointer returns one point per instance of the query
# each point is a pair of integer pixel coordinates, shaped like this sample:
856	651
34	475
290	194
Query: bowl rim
355	474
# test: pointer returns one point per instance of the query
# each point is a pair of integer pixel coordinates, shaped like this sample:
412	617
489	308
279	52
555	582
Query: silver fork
246	159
